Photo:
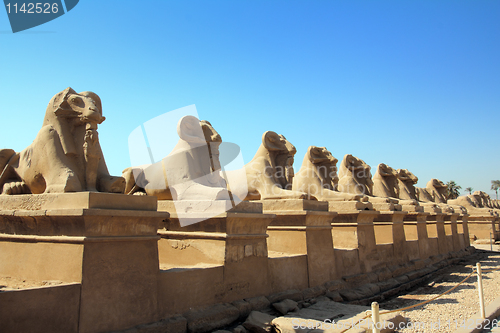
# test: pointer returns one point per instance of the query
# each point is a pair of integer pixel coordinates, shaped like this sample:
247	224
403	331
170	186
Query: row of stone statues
66	157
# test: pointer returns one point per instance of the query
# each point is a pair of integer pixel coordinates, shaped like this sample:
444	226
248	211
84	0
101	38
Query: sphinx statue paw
112	184
360	197
15	187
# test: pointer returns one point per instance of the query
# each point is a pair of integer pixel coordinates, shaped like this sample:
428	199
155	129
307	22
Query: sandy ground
451	311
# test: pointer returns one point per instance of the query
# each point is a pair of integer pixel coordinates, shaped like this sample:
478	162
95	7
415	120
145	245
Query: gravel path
451	311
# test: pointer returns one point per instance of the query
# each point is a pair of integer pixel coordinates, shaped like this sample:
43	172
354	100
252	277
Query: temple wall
144	271
288	273
43	309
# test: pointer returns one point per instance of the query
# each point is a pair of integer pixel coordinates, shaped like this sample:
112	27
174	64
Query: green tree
469	189
495	186
453	189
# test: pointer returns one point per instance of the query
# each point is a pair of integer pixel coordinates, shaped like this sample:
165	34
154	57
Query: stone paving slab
332	317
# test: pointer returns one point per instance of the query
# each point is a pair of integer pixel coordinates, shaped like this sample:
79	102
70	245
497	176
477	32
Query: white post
480	289
375	317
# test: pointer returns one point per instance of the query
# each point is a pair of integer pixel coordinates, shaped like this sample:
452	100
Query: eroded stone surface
187	173
318	177
270	173
329	316
66	155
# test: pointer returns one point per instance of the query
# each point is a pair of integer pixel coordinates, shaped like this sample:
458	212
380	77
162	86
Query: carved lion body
423	194
355	177
66	155
406	182
318	177
386	185
385	182
190	172
481	202
472	203
269	173
437	190
484	198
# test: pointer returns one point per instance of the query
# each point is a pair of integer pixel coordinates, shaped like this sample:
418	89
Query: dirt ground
451	311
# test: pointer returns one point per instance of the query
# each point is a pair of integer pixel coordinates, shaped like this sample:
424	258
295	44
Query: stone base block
342	206
412	208
387	206
272	206
106	242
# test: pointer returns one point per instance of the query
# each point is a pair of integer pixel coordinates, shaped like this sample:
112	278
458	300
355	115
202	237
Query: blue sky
413	84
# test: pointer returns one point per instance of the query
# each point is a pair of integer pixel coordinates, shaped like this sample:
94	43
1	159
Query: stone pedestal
106	242
342	206
303	227
483	226
387	206
416	229
355	230
451	219
413	208
465	227
431	208
454	232
438	219
394	220
235	239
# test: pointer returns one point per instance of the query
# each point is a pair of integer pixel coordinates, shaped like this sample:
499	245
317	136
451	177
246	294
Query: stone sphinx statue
270	172
484	201
473	203
494	204
66	155
468	201
355	177
407	181
423	195
386	184
190	172
318	177
437	190
479	199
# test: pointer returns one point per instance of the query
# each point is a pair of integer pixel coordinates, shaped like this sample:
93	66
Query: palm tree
453	189
469	189
495	186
